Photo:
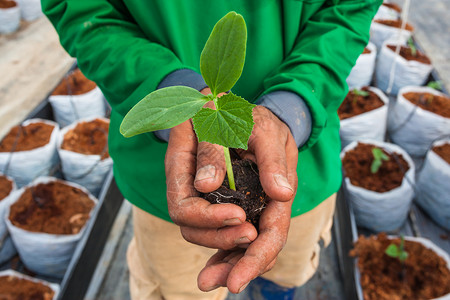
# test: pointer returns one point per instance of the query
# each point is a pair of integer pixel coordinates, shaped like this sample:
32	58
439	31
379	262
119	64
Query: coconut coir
443	151
53	207
90	138
357	163
366	51
434	103
249	193
393	6
407	54
5	187
24	138
424	275
354	104
74	84
15	288
395	23
7	4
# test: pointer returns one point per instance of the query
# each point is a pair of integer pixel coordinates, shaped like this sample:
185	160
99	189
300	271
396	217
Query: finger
223	238
211	168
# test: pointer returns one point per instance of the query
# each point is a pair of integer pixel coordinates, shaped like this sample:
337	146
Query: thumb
211	168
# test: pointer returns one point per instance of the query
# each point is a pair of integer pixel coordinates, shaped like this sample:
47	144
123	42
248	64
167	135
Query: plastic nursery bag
44	253
53	286
70	108
413	128
381	211
433	187
362	72
30	9
25	166
7	249
9	19
369	125
379	33
407	72
86	170
386	13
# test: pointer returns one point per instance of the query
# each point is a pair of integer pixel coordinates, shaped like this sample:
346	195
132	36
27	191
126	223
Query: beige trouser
165	266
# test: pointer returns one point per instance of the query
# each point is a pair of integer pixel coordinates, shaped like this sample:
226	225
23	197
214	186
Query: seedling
231	123
397	251
412	47
435	85
378	157
358	92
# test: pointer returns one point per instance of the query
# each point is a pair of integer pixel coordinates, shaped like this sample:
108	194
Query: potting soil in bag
9	19
25	166
433	188
7	249
70	108
368	125
407	72
30	9
381	211
413	128
362	72
88	170
16	286
47	253
380	33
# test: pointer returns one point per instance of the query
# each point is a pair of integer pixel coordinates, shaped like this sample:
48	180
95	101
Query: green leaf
435	85
162	109
378	157
392	251
412	47
230	125
360	93
403	255
223	56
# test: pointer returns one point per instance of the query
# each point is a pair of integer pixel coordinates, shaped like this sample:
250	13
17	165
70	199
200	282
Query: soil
249	193
366	51
6	186
395	23
357	162
7	4
74	84
439	105
15	288
53	207
393	6
354	105
443	151
90	138
424	275
406	53
24	138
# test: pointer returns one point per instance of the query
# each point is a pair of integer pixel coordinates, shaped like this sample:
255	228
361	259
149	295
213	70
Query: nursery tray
78	275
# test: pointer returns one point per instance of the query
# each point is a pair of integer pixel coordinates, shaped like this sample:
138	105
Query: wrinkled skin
243	254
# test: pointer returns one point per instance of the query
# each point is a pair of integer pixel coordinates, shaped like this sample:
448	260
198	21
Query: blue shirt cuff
292	110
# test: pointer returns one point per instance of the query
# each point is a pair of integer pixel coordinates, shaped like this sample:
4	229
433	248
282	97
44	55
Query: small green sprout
437	85
412	47
378	157
397	251
358	92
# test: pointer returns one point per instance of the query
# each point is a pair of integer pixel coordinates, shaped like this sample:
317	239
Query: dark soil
366	51
395	23
443	151
439	105
249	193
424	275
24	138
6	186
74	84
53	207
15	288
7	4
393	6
406	53
357	162
354	105
90	138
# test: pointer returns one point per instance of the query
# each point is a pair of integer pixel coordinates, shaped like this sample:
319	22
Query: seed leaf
393	251
378	157
230	125
223	56
162	109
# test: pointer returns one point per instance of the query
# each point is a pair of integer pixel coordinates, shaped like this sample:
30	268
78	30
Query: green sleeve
324	52
111	49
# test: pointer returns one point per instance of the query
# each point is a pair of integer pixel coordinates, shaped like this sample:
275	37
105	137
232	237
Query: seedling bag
386	13
9	19
379	33
362	72
53	286
30	9
7	249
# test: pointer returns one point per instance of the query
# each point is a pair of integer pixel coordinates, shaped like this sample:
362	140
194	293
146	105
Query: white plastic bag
87	170
362	72
53	286
7	249
70	108
380	33
407	72
433	188
381	211
30	9
386	13
369	125
25	166
9	19
44	253
413	128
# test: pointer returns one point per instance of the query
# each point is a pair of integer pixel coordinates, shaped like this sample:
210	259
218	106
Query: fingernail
242	240
232	222
206	172
212	288
243	287
281	181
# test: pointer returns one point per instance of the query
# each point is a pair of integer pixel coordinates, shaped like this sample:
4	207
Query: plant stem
230	175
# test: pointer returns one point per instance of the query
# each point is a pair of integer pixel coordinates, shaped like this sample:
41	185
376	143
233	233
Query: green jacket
306	47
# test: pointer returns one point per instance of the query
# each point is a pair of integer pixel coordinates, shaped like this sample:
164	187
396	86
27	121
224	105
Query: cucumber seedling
378	157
